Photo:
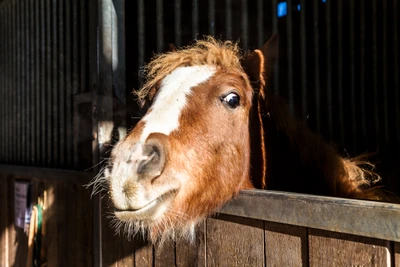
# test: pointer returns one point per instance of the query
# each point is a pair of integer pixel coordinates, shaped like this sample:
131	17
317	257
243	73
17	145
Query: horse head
190	153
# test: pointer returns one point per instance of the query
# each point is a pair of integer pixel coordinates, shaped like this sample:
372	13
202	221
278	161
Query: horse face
188	155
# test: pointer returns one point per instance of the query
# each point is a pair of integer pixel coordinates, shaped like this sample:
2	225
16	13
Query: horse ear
146	102
270	51
259	64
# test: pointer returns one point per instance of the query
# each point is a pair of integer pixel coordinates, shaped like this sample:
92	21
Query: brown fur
211	149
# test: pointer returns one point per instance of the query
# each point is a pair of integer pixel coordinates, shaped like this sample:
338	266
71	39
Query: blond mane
225	55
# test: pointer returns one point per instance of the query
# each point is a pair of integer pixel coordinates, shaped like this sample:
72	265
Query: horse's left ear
259	64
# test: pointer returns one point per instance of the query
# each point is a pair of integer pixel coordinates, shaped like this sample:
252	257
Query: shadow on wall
67	224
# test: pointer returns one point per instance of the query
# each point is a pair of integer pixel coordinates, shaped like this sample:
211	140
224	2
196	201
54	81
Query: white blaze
171	98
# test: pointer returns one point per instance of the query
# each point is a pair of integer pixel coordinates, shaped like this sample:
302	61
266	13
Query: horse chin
149	212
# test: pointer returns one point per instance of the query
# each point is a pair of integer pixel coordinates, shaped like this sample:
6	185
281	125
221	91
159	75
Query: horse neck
297	159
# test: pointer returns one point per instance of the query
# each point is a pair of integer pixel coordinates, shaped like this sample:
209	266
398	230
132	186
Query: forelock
223	55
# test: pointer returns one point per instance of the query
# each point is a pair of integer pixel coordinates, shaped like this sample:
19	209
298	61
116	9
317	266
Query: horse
212	129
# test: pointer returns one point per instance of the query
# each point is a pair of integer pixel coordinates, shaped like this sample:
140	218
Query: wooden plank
397	254
126	252
164	254
17	239
143	252
192	253
336	249
63	218
285	245
358	217
110	243
50	217
84	217
4	224
234	241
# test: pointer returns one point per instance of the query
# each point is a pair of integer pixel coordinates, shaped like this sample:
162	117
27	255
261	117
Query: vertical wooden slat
276	31
177	25
103	103
195	18
4	196
335	249
211	17
362	75
260	23
396	66
76	58
329	95
13	88
64	215
51	220
61	83
289	37
38	78
385	76
317	85
2	87
31	82
192	253
164	255
68	86
353	96
303	43
71	246
141	36
375	72
49	82
55	82
144	255
339	69
160	25
7	80
93	79
228	18
285	245
82	39
245	26
42	85
243	248
396	254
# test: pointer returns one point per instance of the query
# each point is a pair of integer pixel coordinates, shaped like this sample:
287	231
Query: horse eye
232	100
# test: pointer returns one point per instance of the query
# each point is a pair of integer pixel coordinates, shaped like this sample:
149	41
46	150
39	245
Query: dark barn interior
67	71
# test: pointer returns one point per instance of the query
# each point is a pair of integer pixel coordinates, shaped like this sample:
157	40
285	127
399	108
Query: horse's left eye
232	100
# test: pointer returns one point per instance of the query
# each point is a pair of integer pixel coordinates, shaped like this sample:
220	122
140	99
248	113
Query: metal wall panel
44	62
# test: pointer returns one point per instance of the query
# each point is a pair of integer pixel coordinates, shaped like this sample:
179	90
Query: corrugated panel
338	59
43	63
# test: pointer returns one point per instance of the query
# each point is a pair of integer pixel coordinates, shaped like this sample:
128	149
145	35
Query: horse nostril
153	164
149	162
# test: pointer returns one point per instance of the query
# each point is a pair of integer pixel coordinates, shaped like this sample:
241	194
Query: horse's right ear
270	51
259	64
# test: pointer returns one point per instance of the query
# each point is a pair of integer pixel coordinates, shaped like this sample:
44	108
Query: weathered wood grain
126	251
285	245
317	212
50	219
4	222
110	241
192	253
234	241
335	249
144	252
164	255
